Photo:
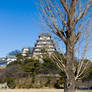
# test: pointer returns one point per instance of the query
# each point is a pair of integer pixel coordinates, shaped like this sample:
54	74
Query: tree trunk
69	85
70	68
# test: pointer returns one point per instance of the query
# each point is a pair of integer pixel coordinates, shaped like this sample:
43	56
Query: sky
19	25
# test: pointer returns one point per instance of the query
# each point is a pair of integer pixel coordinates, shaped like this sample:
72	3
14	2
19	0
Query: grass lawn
38	90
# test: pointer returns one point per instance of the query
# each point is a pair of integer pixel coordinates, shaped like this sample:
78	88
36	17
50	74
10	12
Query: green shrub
11	83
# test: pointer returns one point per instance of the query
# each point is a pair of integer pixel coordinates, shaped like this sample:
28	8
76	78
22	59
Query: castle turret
25	51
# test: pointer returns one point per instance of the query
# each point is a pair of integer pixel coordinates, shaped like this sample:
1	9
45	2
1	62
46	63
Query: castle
44	42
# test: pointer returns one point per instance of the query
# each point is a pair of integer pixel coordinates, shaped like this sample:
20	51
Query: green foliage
11	83
88	73
33	78
49	66
47	84
60	83
20	58
31	66
87	60
24	67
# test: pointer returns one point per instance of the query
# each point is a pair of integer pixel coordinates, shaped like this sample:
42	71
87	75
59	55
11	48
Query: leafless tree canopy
58	15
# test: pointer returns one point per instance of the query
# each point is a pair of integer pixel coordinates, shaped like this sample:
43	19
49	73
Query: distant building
11	59
3	61
44	43
25	51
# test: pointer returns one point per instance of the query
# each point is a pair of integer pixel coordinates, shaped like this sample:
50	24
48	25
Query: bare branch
59	61
83	13
73	6
59	33
80	71
65	6
77	37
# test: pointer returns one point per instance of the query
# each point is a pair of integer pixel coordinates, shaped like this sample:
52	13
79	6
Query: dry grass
37	90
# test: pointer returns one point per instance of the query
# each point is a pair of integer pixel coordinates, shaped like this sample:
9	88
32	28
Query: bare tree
66	18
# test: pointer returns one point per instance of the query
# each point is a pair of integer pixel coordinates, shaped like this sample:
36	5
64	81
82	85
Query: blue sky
19	25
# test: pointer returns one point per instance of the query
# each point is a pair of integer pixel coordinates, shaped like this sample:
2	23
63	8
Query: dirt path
37	90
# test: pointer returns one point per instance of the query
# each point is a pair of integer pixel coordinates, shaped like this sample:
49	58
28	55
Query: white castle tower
44	42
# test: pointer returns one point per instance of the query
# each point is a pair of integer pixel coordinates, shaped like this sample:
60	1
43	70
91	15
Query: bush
11	83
